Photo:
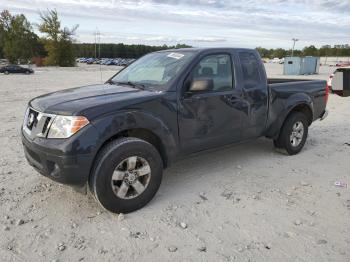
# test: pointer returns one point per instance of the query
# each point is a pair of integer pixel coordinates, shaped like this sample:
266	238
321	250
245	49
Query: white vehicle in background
4	62
275	60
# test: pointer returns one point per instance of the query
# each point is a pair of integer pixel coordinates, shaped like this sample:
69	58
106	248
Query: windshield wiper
132	84
111	82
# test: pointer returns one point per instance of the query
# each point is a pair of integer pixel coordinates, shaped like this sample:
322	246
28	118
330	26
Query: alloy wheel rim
131	177
297	134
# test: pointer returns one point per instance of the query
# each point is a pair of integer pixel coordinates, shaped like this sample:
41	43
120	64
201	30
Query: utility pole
98	40
97	36
294	41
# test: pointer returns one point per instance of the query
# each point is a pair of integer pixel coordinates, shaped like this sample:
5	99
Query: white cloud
203	39
271	23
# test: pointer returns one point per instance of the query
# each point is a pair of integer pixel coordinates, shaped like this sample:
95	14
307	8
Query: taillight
326	94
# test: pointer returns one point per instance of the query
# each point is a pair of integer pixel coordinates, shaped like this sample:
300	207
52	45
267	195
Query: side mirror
201	85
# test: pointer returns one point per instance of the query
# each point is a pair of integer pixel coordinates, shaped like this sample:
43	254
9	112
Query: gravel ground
240	203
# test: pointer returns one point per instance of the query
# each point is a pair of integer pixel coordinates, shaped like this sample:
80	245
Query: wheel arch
138	124
302	107
143	134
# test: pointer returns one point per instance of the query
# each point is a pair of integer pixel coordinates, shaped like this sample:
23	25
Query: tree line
326	50
118	50
135	51
17	39
19	42
57	46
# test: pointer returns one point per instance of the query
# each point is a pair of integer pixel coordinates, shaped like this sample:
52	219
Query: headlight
66	126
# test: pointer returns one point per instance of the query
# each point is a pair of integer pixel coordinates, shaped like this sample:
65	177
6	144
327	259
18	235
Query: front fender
110	125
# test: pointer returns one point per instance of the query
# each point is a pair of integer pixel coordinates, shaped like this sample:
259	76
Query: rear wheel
6	72
126	175
293	134
27	72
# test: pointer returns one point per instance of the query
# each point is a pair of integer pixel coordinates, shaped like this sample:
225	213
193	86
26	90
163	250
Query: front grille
46	125
37	123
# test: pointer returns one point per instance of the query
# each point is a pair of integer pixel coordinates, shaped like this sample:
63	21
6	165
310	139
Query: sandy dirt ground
240	203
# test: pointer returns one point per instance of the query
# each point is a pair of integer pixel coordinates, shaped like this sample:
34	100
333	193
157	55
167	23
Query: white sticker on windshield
176	55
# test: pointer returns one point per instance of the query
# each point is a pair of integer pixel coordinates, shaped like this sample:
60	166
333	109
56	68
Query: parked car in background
15	69
90	61
109	62
106	61
276	60
131	60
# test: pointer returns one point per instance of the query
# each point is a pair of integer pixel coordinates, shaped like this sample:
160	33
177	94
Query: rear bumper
66	169
324	114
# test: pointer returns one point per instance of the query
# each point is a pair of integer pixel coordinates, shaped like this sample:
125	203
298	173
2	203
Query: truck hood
90	100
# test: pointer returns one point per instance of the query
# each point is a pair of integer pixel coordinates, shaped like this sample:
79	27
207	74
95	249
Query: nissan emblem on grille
30	119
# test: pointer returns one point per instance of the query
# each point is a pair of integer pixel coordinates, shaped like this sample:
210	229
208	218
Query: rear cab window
250	68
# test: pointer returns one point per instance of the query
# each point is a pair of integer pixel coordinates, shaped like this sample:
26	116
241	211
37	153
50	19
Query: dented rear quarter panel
284	97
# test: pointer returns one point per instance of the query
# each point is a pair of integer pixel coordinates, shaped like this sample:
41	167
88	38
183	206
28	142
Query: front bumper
55	164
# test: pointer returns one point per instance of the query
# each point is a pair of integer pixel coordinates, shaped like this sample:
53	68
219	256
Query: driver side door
210	118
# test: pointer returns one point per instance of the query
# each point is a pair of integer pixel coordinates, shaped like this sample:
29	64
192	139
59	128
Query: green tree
20	40
5	24
264	53
279	52
17	39
119	50
310	51
58	42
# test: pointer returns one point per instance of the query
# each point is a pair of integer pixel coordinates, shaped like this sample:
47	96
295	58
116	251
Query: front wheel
293	134
126	175
6	72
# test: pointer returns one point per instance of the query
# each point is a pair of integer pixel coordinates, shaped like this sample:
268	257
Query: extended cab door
213	117
253	82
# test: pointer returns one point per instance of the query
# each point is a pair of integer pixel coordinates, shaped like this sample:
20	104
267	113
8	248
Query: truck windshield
154	70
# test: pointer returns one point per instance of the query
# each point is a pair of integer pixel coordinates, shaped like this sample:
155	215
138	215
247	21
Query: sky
202	23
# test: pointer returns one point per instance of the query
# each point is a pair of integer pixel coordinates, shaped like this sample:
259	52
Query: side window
250	68
216	67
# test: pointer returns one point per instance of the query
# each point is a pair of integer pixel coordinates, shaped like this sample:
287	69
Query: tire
27	72
276	144
298	121
6	72
114	157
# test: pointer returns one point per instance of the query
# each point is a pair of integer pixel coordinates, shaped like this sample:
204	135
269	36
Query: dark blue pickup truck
119	136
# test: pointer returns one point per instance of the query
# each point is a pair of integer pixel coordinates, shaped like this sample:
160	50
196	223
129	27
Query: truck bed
285	93
282	80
